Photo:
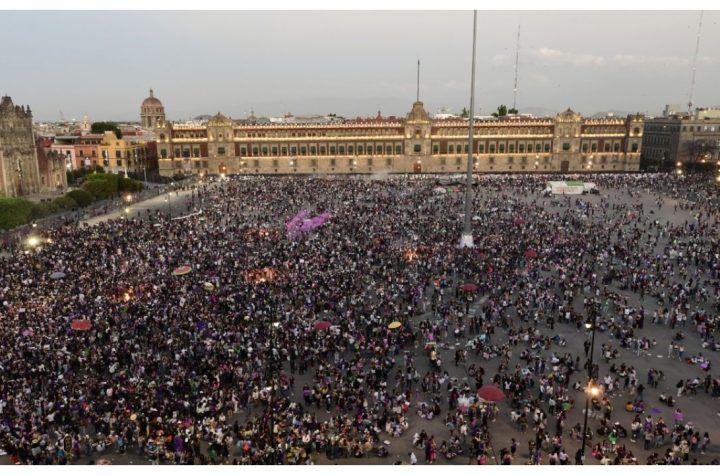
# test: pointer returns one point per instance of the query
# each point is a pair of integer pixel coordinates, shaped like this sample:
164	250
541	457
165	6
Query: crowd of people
360	339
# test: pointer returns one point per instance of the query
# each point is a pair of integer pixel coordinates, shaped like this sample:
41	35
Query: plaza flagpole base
466	240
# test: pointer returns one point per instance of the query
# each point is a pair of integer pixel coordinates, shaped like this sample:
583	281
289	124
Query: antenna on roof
418	82
694	64
517	56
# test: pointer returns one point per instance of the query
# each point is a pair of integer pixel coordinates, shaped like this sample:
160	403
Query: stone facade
51	166
19	174
415	144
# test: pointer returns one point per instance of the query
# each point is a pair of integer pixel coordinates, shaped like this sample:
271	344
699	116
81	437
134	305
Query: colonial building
682	137
19	174
151	112
51	166
122	155
415	144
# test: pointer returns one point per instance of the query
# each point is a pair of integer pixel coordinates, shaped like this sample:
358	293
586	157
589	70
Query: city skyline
352	63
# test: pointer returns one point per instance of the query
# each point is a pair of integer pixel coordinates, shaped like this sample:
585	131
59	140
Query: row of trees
98	186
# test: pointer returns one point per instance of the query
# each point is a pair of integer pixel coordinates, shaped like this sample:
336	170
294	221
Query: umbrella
322	325
531	254
182	270
57	275
81	325
656	410
469	287
519	221
208	286
394	325
491	393
27	332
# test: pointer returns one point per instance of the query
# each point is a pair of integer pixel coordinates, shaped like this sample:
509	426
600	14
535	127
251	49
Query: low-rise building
123	155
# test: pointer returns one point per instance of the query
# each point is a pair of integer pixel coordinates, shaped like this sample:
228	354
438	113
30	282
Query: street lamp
592	389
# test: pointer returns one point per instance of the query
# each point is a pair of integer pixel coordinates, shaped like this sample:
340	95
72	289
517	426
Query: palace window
481	148
501	148
511	148
341	150
360	150
398	149
634	147
243	151
451	148
255	151
378	150
584	147
417	148
593	147
436	149
388	150
221	150
196	152
521	148
303	150
566	146
119	162
538	147
332	150
547	147
274	150
616	147
313	150
283	150
606	147
322	150
492	148
350	149
163	153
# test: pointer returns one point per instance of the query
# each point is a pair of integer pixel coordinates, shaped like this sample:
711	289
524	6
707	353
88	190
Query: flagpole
466	240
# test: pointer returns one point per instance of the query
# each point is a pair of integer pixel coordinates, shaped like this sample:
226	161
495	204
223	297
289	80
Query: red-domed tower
152	112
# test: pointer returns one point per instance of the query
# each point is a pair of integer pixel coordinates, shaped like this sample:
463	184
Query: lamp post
272	368
466	240
592	390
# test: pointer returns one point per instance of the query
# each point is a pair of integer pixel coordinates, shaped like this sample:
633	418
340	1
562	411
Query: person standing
413	458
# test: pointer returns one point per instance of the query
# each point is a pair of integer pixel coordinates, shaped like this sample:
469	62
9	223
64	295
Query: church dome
219	120
152	101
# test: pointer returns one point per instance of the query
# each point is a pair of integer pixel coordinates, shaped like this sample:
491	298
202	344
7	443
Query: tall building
152	112
682	137
19	174
52	165
415	144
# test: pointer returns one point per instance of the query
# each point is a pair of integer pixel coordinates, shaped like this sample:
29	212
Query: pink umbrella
519	221
469	287
531	254
27	332
491	393
322	325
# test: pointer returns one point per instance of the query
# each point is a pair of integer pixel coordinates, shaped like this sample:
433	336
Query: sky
352	63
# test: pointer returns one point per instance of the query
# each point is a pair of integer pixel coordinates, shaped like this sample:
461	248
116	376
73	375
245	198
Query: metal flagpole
466	240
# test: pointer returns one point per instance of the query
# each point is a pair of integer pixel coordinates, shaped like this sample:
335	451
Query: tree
102	127
82	197
465	113
14	212
502	111
512	110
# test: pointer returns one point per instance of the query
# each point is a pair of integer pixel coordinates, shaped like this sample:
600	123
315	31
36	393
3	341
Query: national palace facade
416	144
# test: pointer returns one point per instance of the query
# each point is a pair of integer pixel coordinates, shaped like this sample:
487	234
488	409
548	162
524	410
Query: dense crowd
230	363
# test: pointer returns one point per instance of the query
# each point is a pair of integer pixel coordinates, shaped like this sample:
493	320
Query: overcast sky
351	63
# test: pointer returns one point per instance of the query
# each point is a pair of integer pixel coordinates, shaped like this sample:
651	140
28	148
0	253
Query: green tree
465	113
99	189
14	212
40	210
82	197
512	110
102	127
64	203
502	111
